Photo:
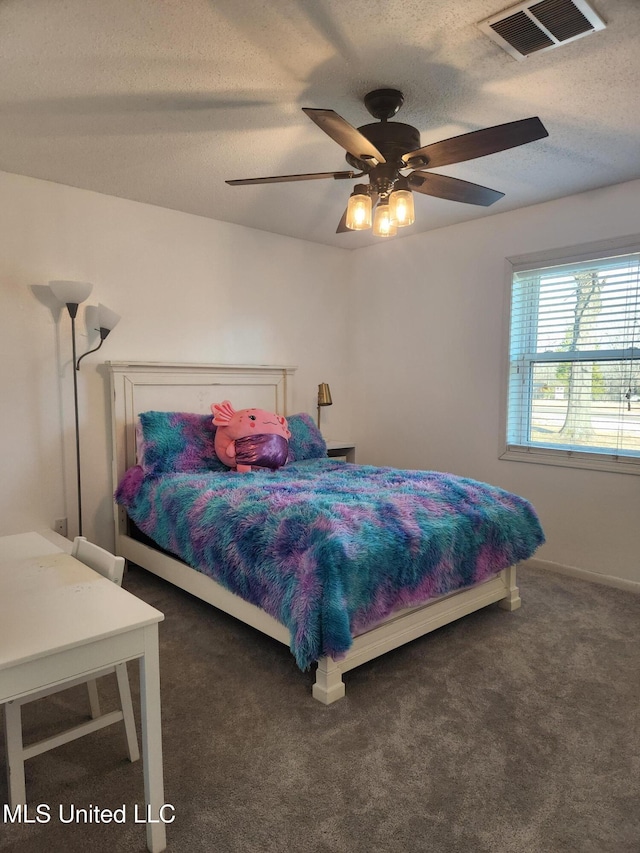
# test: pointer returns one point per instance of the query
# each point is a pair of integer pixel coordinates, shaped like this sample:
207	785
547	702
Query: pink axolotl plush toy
250	438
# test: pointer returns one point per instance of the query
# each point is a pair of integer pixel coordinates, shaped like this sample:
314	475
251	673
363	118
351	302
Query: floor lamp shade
107	319
71	292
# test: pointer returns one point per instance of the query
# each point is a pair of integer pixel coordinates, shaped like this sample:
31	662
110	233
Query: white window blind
574	360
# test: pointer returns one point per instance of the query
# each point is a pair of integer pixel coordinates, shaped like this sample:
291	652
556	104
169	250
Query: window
574	361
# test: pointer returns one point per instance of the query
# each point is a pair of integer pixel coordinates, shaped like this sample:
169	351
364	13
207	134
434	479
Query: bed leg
329	686
512	599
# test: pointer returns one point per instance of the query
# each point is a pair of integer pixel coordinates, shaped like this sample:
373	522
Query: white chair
110	567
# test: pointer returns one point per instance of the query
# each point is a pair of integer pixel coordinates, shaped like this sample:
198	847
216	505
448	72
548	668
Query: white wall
188	289
430	333
426	328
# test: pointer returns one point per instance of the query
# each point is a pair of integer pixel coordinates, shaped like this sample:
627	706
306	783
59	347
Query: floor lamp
72	293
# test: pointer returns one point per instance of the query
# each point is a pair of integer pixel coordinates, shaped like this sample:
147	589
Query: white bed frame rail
143	386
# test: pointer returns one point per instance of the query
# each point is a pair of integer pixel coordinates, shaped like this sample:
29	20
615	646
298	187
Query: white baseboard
583	574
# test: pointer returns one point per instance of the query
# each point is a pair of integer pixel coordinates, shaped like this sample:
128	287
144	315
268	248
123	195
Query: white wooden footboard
410	624
398	629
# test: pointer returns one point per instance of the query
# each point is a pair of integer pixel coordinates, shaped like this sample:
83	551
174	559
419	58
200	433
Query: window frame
568	457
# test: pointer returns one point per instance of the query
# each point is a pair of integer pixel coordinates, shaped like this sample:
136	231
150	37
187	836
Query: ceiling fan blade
278	179
453	189
353	142
479	143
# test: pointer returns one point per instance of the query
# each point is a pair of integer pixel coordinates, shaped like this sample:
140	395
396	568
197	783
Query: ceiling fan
385	150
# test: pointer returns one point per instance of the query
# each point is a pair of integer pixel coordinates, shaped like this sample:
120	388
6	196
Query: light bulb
358	210
383	223
401	206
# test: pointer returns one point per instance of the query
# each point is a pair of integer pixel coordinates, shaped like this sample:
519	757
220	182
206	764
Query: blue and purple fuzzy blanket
328	549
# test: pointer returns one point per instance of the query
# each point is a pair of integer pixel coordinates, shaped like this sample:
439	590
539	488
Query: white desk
60	620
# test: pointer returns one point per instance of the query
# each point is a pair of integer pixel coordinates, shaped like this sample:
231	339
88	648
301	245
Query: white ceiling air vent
539	25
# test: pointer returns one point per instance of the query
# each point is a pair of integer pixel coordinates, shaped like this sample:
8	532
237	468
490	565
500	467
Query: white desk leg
152	740
94	699
15	754
127	711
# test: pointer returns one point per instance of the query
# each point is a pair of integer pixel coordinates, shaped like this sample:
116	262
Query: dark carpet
502	733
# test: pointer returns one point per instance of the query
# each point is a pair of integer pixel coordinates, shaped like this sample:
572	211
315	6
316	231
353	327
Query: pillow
173	442
306	441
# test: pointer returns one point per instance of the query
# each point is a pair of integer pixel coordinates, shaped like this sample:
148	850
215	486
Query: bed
340	562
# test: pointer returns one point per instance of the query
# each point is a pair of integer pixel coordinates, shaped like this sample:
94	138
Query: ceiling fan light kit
401	203
384	225
359	209
385	150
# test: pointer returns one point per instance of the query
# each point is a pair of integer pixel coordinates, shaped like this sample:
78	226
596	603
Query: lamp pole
72	307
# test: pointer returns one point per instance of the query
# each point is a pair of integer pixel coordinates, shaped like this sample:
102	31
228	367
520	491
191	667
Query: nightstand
341	450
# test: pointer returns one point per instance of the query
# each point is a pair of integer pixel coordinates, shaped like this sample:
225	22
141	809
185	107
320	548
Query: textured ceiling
160	101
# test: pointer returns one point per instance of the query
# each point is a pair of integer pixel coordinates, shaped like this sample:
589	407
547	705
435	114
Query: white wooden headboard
153	386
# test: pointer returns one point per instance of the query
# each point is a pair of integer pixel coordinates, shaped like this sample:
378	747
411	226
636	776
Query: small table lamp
324	398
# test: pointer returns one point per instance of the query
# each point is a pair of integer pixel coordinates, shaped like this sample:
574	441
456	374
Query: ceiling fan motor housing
391	138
